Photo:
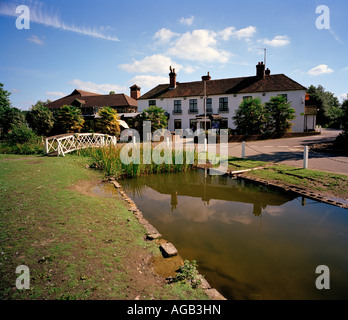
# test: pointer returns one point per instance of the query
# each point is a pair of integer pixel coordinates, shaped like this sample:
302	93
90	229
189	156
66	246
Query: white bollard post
305	158
167	142
46	146
243	150
134	140
205	145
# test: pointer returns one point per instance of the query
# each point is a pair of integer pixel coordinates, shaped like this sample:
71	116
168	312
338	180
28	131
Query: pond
250	241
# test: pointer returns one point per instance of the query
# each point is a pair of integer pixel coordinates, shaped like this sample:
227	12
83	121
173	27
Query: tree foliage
156	116
342	139
254	118
329	111
21	134
108	121
4	97
249	118
10	117
279	113
70	119
344	118
40	118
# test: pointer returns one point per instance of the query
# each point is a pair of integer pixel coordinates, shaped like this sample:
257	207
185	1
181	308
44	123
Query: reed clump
108	159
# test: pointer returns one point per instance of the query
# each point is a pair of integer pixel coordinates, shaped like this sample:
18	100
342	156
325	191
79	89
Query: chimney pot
135	92
207	77
260	70
268	72
172	79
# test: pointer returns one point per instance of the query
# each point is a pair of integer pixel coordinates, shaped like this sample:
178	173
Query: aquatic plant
108	160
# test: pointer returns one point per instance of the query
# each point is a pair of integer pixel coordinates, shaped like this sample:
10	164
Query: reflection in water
250	241
206	188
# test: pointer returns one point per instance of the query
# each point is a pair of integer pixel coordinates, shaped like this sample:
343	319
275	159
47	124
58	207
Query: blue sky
103	46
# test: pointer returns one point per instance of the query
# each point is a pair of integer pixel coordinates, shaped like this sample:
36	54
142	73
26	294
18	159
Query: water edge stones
168	249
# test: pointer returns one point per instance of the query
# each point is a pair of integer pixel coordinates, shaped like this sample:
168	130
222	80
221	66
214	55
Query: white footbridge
63	144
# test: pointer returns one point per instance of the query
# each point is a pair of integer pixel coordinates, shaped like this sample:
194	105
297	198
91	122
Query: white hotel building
184	102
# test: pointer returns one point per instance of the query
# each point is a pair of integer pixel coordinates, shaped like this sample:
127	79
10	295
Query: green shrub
342	141
22	148
188	273
21	134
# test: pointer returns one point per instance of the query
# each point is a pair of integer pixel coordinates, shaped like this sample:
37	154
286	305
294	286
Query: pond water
250	241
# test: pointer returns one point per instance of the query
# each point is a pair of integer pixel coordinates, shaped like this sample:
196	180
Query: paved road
290	151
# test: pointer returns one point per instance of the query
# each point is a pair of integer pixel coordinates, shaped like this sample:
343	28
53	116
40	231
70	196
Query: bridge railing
71	142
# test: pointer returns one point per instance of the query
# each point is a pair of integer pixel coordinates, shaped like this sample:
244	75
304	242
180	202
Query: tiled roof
90	99
271	83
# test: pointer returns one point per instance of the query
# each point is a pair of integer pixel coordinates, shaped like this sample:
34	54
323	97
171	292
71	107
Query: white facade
297	99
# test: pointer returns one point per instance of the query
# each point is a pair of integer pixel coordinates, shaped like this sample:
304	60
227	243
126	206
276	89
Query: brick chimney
135	92
172	78
267	72
206	78
260	70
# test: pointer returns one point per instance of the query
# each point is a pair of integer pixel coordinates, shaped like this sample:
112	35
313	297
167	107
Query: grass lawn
77	245
236	164
330	184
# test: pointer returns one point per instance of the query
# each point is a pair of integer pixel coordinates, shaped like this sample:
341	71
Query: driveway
290	151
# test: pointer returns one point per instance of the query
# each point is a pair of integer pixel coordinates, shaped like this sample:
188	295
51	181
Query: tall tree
344	118
70	119
327	104
279	113
250	118
10	117
156	116
108	121
342	139
4	97
40	118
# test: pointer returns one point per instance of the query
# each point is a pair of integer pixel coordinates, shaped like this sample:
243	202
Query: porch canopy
212	121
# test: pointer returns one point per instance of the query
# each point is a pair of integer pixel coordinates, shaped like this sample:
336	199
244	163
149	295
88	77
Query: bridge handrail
63	144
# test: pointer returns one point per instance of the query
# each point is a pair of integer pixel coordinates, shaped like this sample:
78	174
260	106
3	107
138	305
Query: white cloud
40	16
277	41
187	21
199	45
337	38
35	39
96	88
189	69
55	93
343	97
319	70
244	33
157	63
165	35
148	82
